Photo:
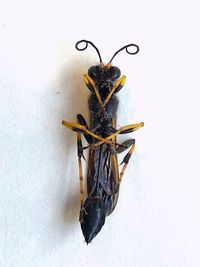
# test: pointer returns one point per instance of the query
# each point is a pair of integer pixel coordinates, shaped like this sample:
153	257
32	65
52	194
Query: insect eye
94	72
115	72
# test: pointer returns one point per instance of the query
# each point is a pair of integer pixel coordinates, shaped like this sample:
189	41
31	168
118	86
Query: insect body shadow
75	94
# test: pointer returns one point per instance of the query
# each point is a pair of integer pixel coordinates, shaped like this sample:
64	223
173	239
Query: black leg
83	122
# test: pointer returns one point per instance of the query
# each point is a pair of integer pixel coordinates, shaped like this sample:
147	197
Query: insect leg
124	129
115	158
125	161
92	86
82	129
80	148
80	154
125	145
83	122
116	87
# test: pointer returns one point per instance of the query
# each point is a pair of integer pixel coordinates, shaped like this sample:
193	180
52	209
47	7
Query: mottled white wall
156	222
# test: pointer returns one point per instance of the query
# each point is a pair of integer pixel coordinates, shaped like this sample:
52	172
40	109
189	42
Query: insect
103	175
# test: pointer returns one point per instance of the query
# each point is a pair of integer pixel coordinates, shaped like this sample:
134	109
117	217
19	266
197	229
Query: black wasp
103	176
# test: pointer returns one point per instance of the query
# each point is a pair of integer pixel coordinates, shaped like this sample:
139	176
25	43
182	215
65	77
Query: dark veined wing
102	169
103	177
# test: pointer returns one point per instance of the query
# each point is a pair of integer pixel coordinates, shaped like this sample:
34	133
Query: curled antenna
85	47
126	47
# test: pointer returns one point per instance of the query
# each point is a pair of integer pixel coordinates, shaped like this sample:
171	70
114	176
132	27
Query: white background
156	222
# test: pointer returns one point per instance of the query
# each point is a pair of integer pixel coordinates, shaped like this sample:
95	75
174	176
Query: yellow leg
117	86
81	128
79	145
91	85
125	161
131	127
115	158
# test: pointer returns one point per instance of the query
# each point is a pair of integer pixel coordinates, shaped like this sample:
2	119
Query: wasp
103	175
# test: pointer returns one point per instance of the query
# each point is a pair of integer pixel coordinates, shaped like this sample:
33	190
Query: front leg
83	122
125	129
92	87
76	127
116	87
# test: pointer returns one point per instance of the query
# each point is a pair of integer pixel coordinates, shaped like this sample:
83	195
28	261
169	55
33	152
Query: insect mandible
103	174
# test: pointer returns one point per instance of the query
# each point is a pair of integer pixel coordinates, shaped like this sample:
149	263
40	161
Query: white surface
156	222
